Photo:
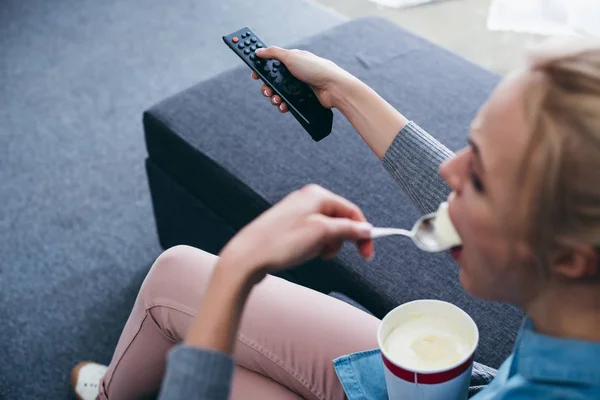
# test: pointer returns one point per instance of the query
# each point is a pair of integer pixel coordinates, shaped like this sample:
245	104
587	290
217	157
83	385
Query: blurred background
463	26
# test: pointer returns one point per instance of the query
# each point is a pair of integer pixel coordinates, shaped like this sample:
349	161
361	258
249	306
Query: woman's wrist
342	86
216	323
239	267
375	120
239	272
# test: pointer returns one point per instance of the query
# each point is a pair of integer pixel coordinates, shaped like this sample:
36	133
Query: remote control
301	100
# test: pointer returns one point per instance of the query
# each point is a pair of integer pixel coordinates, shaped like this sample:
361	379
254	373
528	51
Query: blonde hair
562	182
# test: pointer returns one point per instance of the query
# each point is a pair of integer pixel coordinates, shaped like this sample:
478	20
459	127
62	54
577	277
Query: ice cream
444	229
426	342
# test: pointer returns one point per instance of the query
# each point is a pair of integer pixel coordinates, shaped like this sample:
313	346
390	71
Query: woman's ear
575	261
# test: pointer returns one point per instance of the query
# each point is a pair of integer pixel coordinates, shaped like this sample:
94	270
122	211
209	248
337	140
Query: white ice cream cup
448	382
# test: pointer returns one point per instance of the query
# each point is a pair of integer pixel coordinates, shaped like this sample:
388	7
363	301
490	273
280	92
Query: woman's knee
181	257
180	271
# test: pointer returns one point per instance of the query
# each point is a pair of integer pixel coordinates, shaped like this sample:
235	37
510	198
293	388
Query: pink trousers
288	336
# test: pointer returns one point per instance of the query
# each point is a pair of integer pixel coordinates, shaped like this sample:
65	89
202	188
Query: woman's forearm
375	120
216	323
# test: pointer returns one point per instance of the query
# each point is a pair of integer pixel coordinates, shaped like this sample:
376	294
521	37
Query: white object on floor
86	379
546	17
400	3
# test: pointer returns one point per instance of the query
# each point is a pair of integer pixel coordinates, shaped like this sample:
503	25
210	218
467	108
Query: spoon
422	234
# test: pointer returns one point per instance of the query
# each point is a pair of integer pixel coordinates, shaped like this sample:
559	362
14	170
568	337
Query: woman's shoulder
547	367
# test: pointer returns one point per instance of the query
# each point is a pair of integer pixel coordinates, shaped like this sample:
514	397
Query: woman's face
483	178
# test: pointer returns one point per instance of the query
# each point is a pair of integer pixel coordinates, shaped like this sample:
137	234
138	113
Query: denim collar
546	358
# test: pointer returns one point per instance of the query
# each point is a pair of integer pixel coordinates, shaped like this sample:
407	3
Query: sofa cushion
237	155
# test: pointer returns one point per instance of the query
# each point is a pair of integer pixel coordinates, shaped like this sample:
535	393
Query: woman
535	144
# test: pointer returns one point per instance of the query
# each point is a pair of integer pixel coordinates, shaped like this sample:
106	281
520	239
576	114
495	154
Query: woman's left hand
308	223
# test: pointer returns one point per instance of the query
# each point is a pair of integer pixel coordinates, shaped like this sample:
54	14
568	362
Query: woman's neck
569	311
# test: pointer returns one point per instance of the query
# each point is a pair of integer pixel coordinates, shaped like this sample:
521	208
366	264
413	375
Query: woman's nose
453	169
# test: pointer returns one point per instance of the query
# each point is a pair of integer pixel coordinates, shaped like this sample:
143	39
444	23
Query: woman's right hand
308	223
320	74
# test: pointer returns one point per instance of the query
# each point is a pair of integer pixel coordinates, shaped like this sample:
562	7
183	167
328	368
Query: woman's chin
479	288
465	275
467	283
464	279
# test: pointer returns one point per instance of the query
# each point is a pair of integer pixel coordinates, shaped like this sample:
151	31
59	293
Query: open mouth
456	252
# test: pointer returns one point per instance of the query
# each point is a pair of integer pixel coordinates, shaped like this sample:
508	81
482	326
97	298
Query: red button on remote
235	40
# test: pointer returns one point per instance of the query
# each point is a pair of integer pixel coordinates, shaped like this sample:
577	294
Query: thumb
346	229
272	52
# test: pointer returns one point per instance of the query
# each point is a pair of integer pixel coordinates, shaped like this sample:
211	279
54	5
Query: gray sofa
218	155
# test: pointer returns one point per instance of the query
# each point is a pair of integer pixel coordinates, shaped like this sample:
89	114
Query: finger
273	52
341	229
275	100
255	76
336	206
366	248
283	108
266	91
331	249
350	210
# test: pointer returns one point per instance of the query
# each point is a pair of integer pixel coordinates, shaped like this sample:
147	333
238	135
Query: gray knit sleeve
413	159
194	373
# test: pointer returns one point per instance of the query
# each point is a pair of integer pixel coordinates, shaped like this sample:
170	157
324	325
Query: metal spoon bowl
422	234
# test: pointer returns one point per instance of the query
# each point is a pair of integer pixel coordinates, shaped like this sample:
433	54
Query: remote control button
253	47
273	75
241	46
247	33
253	39
259	45
235	40
247	51
247	42
252	56
259	61
274	69
276	63
267	67
292	87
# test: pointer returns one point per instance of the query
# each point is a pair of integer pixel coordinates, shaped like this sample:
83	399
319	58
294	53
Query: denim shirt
540	367
547	367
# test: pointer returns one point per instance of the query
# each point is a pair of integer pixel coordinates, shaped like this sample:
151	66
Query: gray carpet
76	227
